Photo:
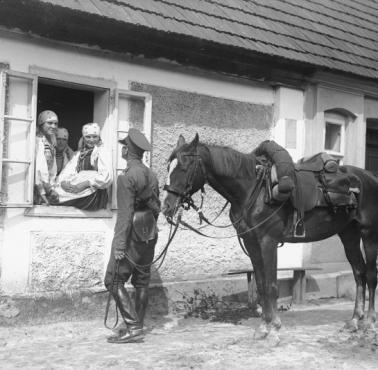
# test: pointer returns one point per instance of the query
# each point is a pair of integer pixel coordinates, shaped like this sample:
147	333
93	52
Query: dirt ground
310	338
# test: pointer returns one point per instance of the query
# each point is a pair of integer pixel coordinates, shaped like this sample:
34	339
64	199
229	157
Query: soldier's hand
119	255
259	170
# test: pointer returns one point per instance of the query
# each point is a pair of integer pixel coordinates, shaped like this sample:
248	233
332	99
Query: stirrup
299	225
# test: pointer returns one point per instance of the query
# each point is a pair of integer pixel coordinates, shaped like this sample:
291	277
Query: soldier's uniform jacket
137	188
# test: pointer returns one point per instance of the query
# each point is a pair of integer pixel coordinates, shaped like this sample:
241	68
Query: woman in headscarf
45	160
84	180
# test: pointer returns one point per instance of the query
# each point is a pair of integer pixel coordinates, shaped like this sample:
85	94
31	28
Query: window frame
31	120
147	130
109	129
62	79
339	120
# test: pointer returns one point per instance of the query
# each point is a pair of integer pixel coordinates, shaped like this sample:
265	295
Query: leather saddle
144	225
321	182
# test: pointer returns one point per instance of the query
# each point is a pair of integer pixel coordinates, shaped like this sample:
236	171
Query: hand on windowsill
45	200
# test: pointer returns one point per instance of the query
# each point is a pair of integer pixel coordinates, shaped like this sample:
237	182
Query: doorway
371	159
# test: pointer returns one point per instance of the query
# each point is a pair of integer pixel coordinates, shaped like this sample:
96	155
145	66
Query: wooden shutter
18	102
133	109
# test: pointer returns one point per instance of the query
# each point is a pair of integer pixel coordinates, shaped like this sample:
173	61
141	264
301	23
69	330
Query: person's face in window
61	144
50	127
91	140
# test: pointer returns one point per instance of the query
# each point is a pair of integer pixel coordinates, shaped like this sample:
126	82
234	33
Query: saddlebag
144	225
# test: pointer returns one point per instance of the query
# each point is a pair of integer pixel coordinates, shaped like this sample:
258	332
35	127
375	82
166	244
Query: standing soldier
135	237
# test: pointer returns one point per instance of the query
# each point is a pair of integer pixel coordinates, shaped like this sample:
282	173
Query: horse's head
185	175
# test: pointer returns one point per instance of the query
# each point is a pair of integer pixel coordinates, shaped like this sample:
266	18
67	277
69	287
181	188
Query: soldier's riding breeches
140	253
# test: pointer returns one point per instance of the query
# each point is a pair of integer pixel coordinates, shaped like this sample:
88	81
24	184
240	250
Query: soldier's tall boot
129	315
141	301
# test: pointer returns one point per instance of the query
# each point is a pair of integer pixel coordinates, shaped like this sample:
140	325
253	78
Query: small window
334	135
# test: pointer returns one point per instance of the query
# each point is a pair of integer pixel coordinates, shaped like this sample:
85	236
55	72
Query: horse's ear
181	141
195	141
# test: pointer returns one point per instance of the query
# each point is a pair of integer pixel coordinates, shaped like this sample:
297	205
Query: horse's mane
226	161
229	162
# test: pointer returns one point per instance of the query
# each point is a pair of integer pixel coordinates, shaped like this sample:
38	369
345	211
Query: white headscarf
91	129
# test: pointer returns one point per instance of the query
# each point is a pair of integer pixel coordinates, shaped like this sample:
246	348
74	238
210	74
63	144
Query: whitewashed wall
42	254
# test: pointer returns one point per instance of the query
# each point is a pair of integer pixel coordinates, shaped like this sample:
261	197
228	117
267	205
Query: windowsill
66	212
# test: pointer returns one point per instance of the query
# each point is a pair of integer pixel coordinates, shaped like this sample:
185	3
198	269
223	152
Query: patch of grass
209	306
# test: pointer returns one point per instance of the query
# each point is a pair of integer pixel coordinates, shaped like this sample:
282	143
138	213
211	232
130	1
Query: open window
77	101
18	100
74	107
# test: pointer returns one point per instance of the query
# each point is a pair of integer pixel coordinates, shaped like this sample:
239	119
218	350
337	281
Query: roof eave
73	26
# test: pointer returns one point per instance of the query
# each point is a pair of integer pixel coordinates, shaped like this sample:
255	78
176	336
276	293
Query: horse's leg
351	237
370	239
263	255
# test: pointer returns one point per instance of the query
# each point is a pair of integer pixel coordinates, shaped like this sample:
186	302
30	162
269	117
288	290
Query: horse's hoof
351	326
273	338
261	332
369	326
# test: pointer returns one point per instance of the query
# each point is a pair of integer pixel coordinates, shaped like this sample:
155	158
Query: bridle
185	199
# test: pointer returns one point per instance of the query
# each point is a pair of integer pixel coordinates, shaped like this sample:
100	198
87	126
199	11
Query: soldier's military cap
137	138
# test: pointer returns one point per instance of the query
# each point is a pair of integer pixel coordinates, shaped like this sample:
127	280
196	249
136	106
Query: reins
262	174
163	253
186	202
188	226
187	199
115	273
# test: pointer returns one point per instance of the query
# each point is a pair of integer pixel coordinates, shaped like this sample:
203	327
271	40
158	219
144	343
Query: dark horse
233	175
